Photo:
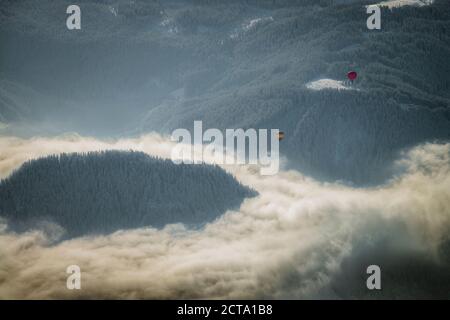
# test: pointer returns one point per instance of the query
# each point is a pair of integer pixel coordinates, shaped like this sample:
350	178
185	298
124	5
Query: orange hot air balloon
280	135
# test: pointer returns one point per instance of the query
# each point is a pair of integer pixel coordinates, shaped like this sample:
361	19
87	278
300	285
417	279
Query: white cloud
289	242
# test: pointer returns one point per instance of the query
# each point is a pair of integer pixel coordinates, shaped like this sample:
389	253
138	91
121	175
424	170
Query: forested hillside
105	191
141	66
401	98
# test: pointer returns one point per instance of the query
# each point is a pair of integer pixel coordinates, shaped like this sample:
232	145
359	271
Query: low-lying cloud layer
298	239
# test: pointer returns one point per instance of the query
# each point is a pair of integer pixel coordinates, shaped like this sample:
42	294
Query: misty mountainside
401	98
140	66
101	192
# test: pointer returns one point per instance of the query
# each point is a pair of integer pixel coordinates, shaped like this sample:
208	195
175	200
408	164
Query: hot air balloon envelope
352	75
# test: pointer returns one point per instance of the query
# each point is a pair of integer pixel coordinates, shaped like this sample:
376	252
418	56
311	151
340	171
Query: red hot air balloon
352	75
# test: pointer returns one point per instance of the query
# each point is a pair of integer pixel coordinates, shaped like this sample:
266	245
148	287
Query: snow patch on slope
254	22
113	10
170	26
327	84
250	25
400	3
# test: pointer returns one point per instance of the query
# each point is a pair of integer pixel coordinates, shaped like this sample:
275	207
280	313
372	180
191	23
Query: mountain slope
160	65
402	94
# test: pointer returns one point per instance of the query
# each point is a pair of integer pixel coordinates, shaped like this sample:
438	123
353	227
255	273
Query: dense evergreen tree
100	192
